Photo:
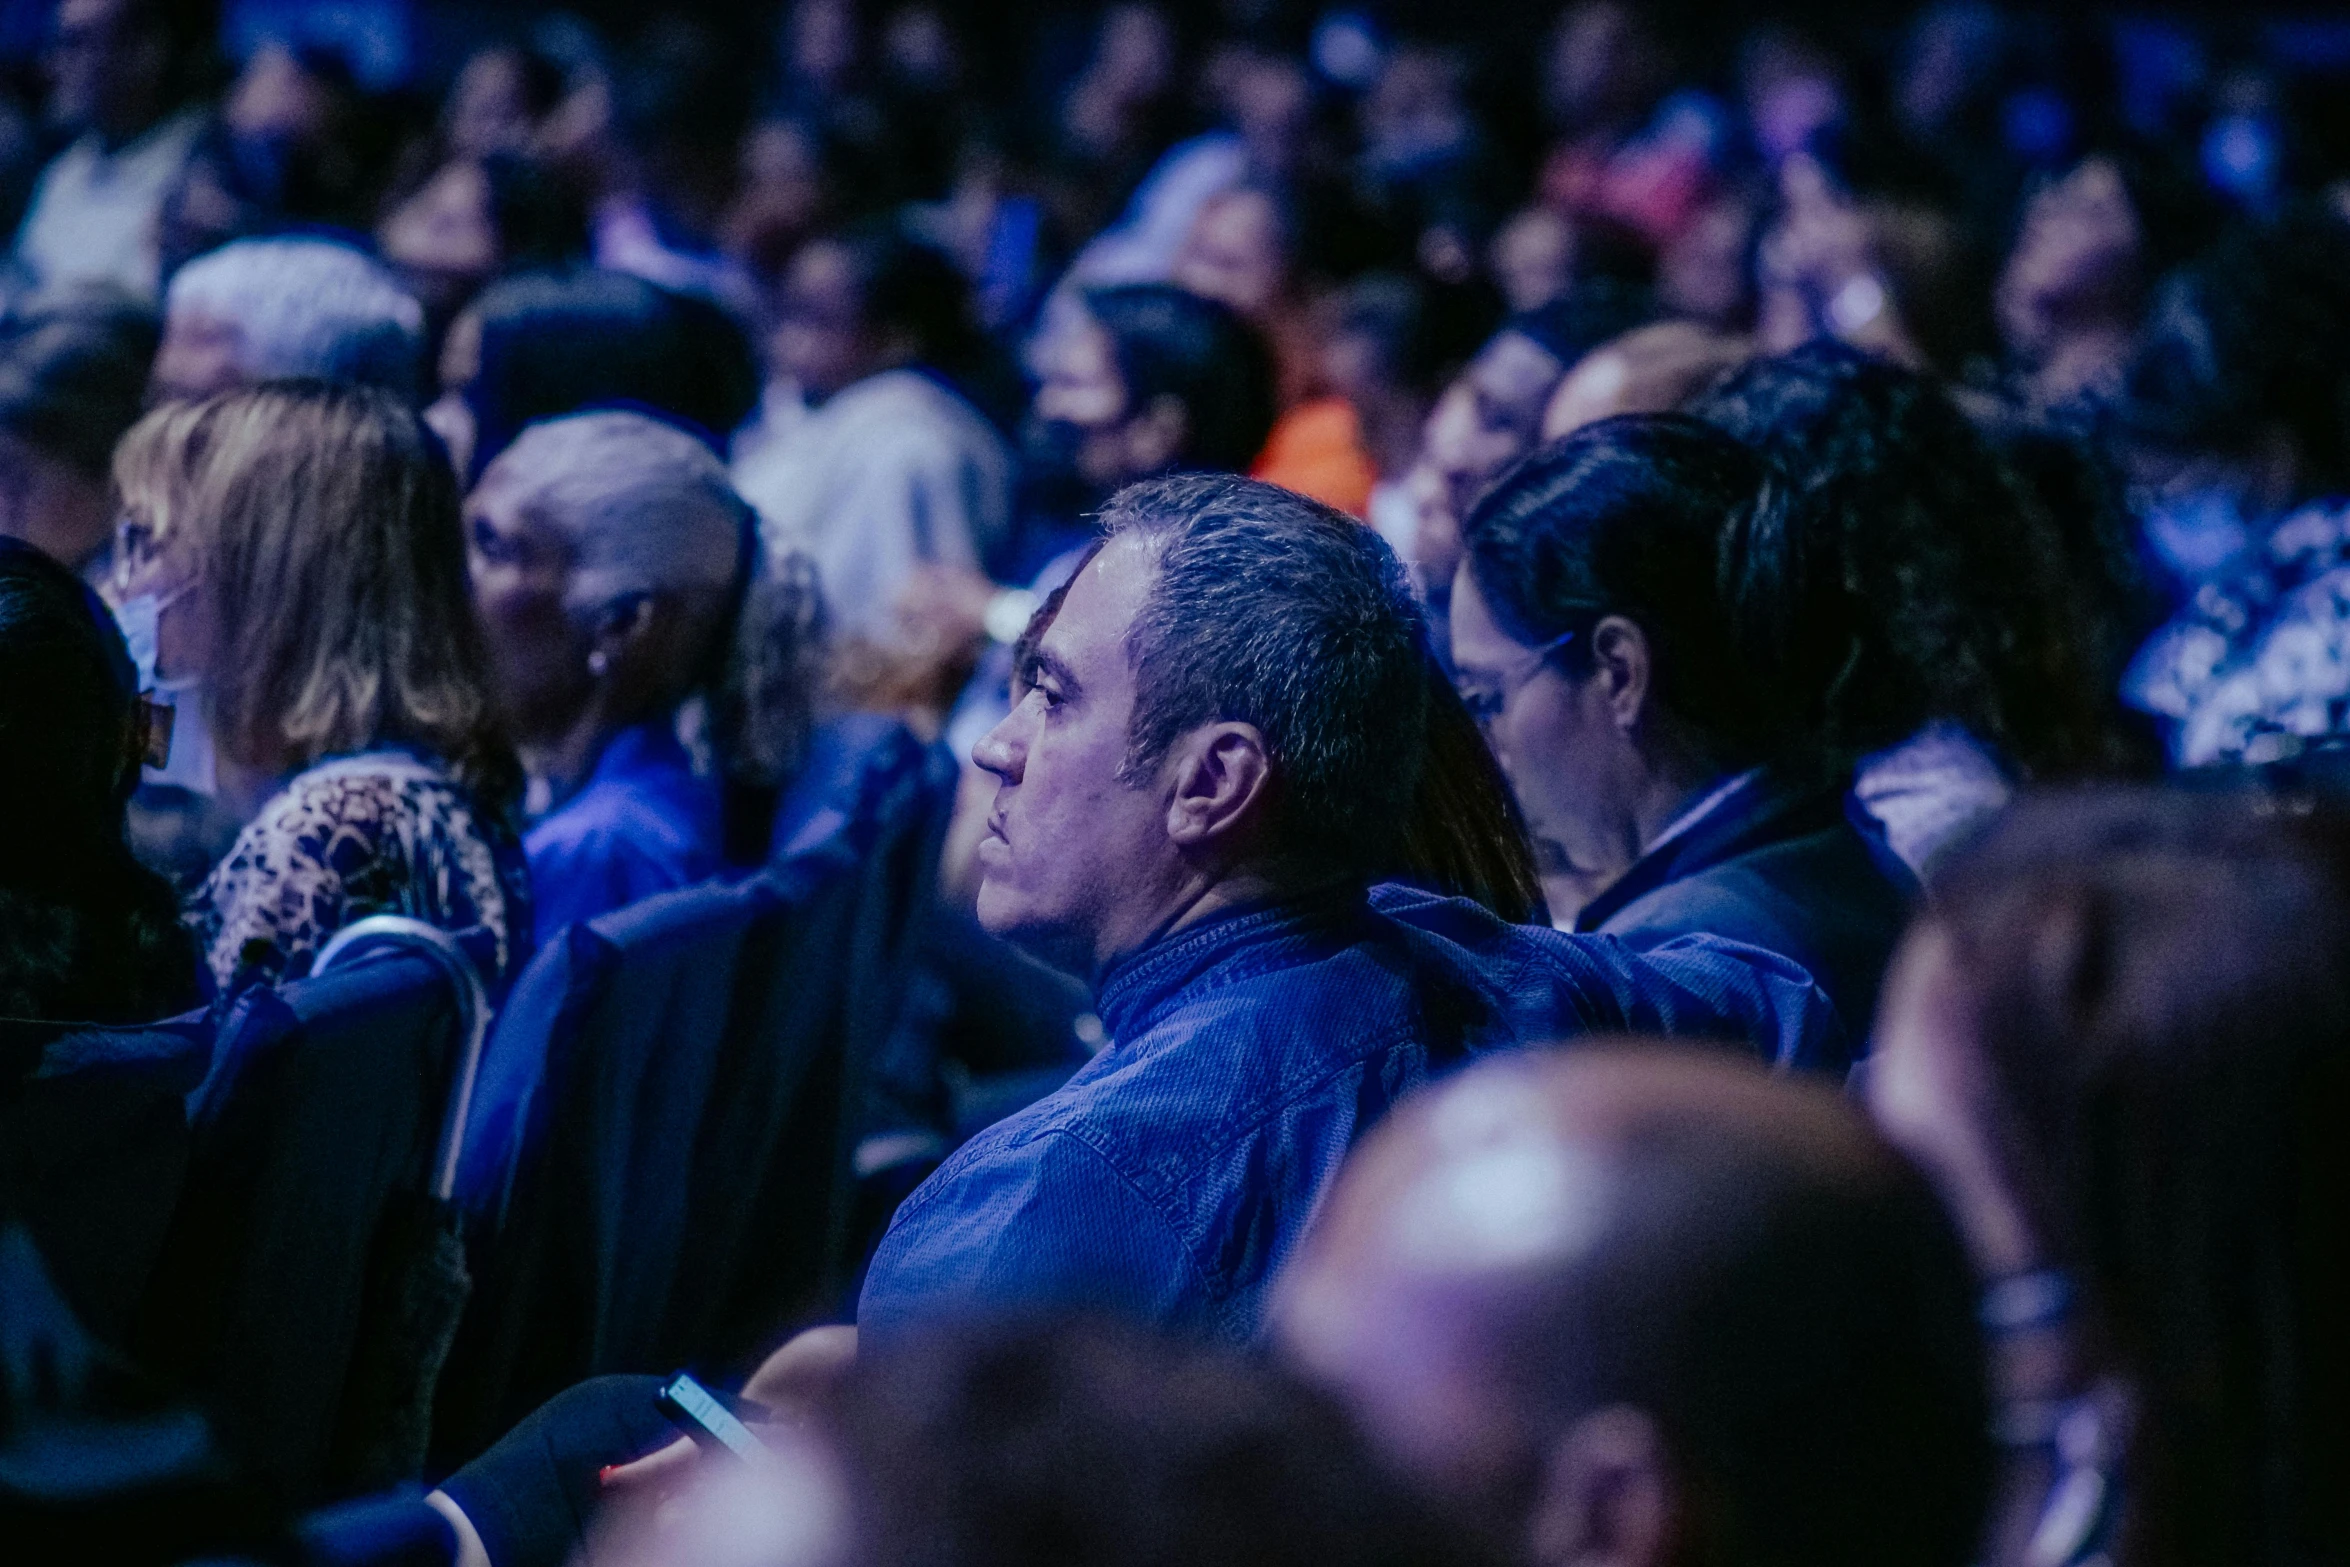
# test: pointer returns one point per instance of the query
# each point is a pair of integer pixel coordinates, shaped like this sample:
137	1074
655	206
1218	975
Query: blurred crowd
1174	593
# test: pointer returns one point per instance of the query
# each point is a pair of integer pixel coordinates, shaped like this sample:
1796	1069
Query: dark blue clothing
1779	868
1172	1175
644	823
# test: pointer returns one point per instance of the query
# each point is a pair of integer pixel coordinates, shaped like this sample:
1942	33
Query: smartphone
697	1412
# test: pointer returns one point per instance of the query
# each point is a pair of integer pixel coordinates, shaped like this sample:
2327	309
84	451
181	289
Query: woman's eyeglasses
1486	702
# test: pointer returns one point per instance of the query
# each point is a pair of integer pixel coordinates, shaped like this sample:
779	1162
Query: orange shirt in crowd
1317	450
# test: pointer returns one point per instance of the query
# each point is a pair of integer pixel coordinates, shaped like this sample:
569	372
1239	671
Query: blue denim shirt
1172	1175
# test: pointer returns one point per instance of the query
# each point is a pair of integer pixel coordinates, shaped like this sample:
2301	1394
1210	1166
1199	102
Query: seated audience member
1491	415
1652	370
1216	748
1269	254
2075	285
270	309
542	344
1146	379
72	373
1617	1304
120	73
611	560
1983	647
304	591
1395	342
87	934
1136	381
893	468
1630	623
479	217
2239	456
2120	1043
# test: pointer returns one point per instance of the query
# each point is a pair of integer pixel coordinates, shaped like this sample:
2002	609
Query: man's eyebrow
1045	662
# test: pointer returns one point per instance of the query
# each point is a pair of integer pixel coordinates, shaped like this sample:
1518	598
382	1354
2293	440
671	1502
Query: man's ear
1218	773
1156	435
1609	1496
1620	655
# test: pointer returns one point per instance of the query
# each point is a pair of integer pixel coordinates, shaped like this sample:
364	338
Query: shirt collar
1705	805
649	749
1137	992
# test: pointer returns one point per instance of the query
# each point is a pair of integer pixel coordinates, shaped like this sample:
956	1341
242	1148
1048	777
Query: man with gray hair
1208	774
266	309
610	556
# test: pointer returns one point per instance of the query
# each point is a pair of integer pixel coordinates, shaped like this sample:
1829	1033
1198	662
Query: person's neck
1670	790
1195	902
124	124
560	756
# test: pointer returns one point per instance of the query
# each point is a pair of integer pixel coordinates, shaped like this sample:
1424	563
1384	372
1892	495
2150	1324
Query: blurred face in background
2075	265
105	65
201	354
822	341
50	504
1235	255
1082	422
1490	416
444	239
521	569
489	109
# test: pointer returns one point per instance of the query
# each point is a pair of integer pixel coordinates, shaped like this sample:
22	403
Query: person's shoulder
335	794
611	820
1054	1151
1776	894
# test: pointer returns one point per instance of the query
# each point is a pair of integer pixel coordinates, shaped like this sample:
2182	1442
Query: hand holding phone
699	1414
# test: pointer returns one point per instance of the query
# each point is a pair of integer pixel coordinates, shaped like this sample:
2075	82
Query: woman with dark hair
2119	1042
1273	254
1981	638
2091	246
294	556
894	467
1146	379
87	934
547	343
476	218
1632	624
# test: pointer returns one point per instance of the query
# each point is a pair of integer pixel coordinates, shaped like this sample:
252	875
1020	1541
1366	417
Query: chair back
94	1148
306	1247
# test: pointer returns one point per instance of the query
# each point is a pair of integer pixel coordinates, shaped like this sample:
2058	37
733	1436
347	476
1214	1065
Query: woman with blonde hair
291	573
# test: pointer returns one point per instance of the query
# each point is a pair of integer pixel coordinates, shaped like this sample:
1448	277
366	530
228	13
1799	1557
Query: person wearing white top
892	469
97	211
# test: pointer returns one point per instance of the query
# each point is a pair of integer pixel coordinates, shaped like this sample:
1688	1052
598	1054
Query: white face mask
191	764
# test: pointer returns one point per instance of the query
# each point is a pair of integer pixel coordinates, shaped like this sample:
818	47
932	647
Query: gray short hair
645	506
648	508
1278	611
308	307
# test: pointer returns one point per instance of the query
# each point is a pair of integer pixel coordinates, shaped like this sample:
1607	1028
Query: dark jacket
1778	867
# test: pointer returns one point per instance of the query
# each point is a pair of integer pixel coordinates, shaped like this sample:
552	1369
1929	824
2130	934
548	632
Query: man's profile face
1076	860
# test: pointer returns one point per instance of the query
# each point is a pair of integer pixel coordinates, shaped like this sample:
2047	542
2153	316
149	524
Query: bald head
1557	1249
